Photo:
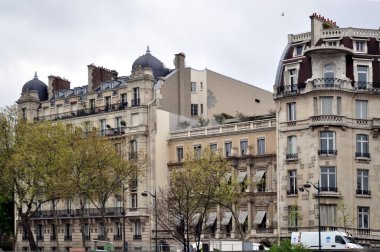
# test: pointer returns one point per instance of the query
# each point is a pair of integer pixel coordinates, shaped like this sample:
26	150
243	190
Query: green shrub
286	246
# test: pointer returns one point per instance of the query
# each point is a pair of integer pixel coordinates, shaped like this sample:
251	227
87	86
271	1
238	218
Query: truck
329	240
229	245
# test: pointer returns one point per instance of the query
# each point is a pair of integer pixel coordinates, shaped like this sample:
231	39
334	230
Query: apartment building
251	149
136	112
327	93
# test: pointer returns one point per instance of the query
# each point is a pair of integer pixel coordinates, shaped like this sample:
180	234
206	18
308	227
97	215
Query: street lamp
306	187
145	194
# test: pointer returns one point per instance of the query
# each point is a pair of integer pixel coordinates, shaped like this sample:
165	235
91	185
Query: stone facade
327	94
136	112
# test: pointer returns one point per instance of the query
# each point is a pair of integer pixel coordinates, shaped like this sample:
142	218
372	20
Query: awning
259	175
196	218
226	219
259	217
241	176
211	219
243	216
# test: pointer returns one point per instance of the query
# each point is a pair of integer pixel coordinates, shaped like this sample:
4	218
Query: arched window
329	74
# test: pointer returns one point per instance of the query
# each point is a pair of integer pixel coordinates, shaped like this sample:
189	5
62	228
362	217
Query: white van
329	240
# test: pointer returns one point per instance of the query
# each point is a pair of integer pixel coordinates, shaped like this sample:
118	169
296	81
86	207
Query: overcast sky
242	39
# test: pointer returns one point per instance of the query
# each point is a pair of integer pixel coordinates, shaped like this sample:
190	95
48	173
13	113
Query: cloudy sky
242	39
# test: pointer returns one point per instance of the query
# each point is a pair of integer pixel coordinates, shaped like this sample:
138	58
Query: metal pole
155	213
319	217
124	248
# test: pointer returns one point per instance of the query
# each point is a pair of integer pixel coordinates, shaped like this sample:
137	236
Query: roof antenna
147	49
35	75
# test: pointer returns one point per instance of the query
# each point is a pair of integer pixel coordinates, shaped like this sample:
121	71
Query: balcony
362	155
327	152
291	192
291	156
363	86
328	83
363	231
84	112
87	212
363	192
136	237
264	230
289	89
327	120
135	102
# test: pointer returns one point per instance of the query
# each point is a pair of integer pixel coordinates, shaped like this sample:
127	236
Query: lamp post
145	194
124	247
306	187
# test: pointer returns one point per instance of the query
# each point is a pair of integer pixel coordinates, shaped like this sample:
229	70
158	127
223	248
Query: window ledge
363	159
363	196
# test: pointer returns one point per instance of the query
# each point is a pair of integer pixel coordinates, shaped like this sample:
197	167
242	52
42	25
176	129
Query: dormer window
298	50
360	46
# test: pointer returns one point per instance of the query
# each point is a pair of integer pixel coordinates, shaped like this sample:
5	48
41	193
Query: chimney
179	60
57	83
319	23
97	75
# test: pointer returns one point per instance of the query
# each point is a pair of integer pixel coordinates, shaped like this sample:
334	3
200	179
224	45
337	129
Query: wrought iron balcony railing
135	102
292	192
363	192
362	155
292	156
328	152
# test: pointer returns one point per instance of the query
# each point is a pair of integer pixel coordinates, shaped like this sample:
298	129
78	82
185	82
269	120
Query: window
119	230
123	99
92	105
68	231
298	50
137	230
101	231
360	46
228	148
193	87
53	232
201	86
261	146
197	150
292	182
362	76
39	232
363	217
292	77
362	146
292	147
118	203
103	127
332	43
326	105
179	154
213	147
136	97
261	185
327	142
339	105
361	109
118	123
134	202
24	114
86	231
243	147
362	182
291	111
292	216
201	109
328	179
107	102
133	149
328	215
194	109
68	206
329	74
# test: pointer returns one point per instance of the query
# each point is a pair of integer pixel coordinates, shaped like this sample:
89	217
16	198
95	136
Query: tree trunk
32	242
